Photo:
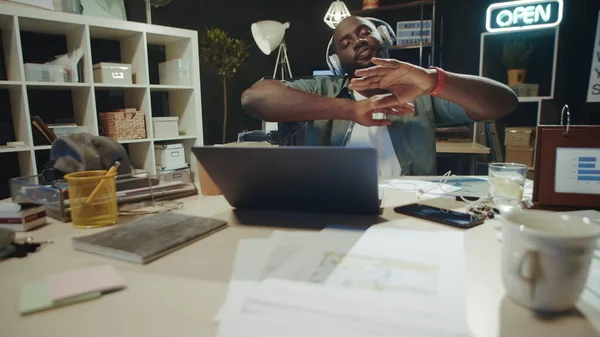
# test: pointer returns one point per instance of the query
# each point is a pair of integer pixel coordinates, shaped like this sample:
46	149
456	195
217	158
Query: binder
567	172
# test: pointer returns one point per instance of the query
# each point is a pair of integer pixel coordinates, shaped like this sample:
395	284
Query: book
29	216
149	238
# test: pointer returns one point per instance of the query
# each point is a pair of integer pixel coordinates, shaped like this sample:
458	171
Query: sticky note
79	282
35	297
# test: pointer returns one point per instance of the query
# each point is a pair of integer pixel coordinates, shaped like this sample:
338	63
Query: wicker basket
123	125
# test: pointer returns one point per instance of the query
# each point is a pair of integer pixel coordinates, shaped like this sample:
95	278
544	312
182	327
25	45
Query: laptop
301	179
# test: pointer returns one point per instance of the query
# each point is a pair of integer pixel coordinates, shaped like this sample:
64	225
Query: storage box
520	155
520	137
183	175
123	125
46	73
174	72
170	156
165	127
117	73
526	90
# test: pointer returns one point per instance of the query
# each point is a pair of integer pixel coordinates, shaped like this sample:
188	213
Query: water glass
506	183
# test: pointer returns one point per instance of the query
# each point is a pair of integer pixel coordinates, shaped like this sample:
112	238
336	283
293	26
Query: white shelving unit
83	32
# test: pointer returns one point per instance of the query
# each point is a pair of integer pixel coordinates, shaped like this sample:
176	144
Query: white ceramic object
546	257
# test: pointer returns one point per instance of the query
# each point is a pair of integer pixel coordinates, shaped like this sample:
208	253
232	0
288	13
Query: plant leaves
222	52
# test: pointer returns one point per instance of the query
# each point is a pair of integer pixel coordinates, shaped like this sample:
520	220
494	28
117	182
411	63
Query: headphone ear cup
385	35
336	64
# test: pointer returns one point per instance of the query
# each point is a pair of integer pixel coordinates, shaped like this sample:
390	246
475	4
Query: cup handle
528	270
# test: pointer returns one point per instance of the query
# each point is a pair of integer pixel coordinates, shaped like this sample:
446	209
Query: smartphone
440	215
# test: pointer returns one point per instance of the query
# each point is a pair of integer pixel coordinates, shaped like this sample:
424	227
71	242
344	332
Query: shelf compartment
111	99
179	103
73	104
163	48
120	46
542	61
54	38
141	155
11	44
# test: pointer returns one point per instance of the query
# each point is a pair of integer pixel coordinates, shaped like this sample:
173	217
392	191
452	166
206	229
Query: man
342	111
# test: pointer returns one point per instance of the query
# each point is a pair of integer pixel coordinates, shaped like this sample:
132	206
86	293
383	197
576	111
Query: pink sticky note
84	281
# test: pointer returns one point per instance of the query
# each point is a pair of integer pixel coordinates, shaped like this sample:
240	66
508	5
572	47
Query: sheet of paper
303	324
256	259
313	262
392	279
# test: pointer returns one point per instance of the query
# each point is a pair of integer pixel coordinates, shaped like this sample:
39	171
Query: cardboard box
520	155
520	137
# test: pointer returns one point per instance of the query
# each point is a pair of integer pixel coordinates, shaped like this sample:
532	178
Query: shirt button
349	129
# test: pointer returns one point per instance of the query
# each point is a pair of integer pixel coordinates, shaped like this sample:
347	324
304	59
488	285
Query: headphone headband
387	34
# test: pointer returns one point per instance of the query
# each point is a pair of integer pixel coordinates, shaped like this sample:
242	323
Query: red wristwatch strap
440	83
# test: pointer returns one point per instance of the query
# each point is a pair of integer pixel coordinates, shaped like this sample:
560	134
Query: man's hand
386	104
404	80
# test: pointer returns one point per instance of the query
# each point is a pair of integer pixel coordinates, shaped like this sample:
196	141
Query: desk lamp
268	35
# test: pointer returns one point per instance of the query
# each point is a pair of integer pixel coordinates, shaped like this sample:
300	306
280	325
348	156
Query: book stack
22	217
42	135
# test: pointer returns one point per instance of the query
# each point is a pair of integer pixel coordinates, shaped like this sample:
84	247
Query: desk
179	294
467	150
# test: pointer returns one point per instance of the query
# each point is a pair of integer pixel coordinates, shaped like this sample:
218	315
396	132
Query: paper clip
562	115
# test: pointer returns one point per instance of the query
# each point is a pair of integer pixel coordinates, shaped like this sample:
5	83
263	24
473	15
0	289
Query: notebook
146	239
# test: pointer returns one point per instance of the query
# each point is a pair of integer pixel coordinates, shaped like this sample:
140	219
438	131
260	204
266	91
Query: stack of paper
382	282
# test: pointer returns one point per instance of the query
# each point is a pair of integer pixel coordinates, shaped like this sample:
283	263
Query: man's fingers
388	63
365	86
372	71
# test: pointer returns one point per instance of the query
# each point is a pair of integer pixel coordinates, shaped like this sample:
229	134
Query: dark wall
463	22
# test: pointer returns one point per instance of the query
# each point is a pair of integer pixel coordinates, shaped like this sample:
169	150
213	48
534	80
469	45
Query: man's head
356	41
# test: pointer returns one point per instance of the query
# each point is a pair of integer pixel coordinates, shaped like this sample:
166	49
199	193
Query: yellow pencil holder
101	209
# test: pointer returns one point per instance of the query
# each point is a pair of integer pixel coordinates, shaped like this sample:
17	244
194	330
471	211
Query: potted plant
515	56
226	55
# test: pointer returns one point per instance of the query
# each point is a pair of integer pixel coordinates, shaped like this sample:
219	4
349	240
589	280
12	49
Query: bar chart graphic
577	171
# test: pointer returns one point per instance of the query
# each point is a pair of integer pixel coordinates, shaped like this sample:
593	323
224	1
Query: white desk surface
461	147
179	294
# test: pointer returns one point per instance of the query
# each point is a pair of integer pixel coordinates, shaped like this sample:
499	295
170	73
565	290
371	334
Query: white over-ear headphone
387	34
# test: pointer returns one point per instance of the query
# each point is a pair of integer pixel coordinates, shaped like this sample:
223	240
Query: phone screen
440	215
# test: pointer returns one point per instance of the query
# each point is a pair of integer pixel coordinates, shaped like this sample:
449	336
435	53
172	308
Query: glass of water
506	181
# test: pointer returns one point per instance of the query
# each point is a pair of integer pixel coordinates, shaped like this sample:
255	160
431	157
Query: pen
96	190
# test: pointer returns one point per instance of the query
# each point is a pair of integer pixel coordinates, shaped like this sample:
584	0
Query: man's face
356	42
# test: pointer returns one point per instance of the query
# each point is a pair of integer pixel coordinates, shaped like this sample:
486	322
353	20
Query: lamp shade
268	34
336	13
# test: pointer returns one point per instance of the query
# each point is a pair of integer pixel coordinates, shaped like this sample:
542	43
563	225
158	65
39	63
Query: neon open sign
524	14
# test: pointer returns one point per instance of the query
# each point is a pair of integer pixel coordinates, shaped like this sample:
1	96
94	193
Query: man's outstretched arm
482	98
274	101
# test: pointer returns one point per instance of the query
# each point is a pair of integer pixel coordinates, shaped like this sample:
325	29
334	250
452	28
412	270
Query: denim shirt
413	136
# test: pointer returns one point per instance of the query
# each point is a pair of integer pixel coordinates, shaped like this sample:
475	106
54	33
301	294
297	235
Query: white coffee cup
546	257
